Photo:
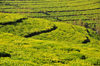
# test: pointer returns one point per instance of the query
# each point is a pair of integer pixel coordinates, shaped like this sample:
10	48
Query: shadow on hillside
40	32
3	54
10	23
86	40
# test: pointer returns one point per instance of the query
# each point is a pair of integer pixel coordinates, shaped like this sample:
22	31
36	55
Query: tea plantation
49	33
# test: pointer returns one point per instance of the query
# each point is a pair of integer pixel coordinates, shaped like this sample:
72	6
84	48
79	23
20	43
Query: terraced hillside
67	11
35	41
39	33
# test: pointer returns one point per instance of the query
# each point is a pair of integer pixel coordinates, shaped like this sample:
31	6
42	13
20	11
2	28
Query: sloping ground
66	32
16	51
61	44
26	26
6	18
33	41
46	30
77	12
56	10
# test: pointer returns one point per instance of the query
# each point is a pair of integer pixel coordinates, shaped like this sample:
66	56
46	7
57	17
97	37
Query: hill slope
35	41
27	38
56	10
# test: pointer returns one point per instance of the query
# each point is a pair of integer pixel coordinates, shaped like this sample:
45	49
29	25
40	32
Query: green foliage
27	26
4	18
66	11
27	51
29	41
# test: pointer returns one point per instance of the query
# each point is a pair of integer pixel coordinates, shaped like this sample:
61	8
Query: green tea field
49	33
